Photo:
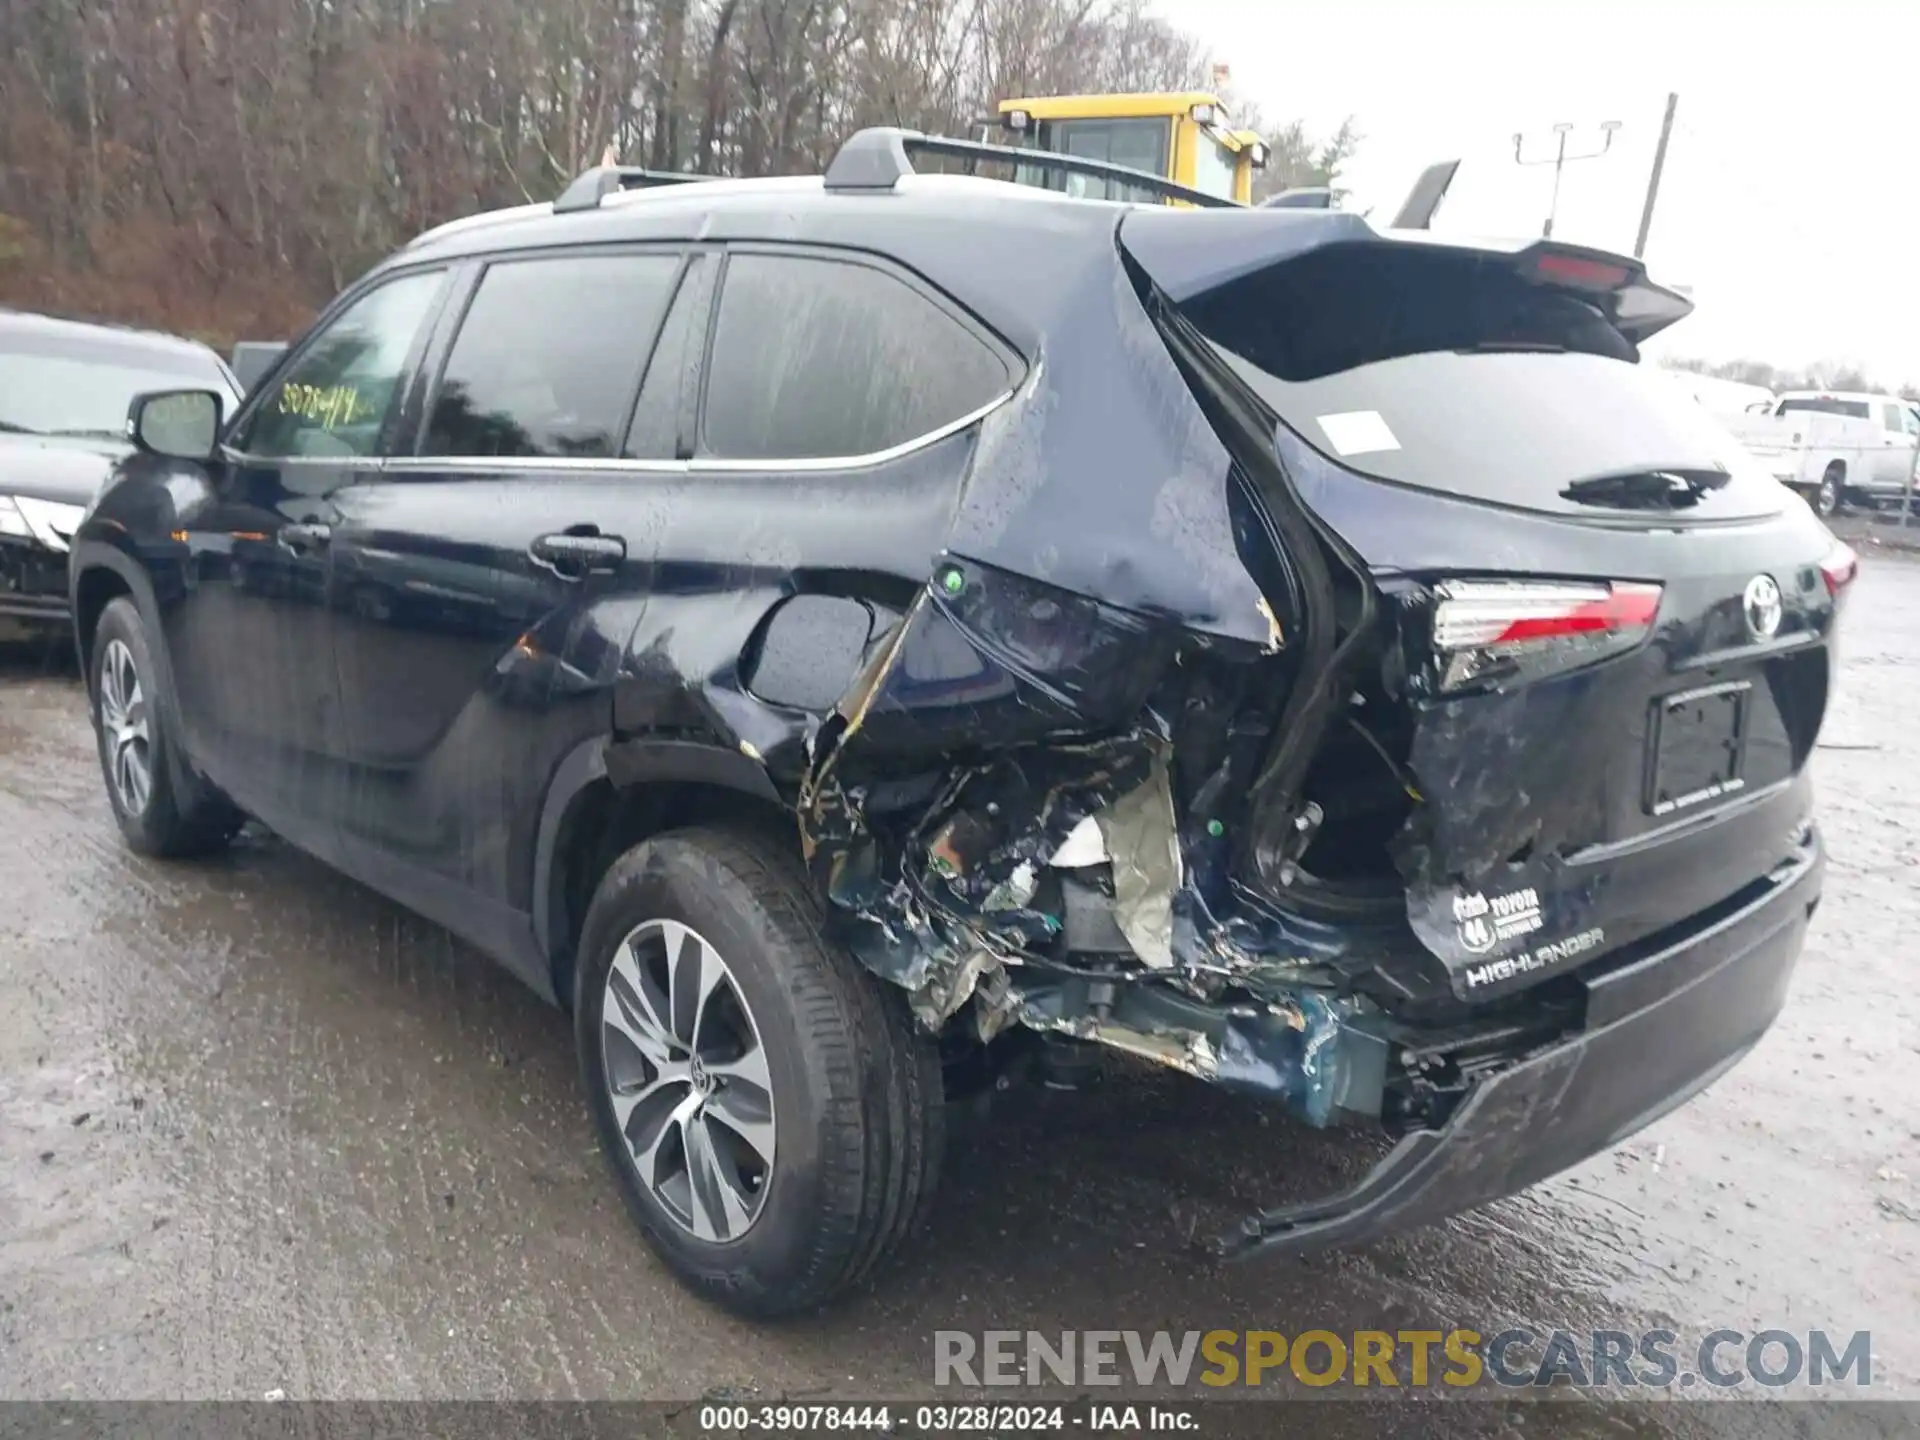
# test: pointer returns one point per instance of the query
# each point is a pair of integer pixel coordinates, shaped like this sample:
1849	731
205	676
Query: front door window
334	402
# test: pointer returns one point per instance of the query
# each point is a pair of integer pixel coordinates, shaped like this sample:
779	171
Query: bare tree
221	167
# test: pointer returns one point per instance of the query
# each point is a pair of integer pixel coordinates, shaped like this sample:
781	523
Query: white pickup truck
1835	446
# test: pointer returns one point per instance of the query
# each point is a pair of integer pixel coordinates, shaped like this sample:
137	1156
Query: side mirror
179	424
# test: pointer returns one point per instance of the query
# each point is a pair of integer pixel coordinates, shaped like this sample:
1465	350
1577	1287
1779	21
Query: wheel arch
606	796
101	574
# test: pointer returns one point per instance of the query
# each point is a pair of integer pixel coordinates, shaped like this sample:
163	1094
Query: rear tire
132	728
1831	497
856	1125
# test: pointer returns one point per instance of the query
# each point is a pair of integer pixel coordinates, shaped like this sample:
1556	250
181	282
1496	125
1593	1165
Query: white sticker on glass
1357	432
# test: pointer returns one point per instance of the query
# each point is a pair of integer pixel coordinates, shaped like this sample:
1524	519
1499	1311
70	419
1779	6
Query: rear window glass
1853	409
1449	373
816	358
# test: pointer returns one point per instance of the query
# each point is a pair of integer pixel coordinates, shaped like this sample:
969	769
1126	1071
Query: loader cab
1183	137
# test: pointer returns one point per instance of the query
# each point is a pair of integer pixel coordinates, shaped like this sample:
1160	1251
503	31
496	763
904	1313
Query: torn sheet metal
1000	820
1142	837
1315	1056
1084	846
999	763
1185	1050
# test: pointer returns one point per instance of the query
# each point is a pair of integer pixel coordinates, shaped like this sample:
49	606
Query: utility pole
1653	180
1560	159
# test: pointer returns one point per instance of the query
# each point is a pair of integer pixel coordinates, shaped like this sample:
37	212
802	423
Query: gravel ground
262	1131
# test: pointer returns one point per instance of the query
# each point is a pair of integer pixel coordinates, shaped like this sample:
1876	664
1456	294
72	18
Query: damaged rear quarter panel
727	549
1104	478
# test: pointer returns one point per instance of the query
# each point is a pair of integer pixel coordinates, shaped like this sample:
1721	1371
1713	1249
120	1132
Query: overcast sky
1791	197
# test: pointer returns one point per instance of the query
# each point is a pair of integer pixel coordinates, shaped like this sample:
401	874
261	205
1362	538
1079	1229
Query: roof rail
593	186
1301	197
876	158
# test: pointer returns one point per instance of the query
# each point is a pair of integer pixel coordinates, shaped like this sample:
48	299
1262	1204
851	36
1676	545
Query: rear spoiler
1619	286
1188	255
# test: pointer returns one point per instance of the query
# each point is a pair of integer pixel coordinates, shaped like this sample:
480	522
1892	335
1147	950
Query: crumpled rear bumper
1658	1031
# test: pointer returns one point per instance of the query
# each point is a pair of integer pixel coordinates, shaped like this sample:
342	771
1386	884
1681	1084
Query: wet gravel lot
261	1130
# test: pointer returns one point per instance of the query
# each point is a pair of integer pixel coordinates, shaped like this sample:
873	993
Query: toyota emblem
1762	604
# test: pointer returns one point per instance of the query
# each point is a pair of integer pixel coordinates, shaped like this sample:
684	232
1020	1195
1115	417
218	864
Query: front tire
136	745
770	1114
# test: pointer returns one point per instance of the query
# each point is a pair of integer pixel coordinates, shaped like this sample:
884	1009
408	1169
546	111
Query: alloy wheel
123	725
687	1077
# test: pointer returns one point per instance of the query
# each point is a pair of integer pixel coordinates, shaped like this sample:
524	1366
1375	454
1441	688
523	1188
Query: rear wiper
1646	489
1512	347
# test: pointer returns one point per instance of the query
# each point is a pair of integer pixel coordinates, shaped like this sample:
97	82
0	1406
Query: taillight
1489	631
1840	569
1579	271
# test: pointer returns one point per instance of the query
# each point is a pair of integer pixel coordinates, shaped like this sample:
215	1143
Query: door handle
572	554
305	539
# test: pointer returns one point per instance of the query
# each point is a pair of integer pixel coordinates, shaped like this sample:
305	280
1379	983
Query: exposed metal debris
1276	637
1143	842
1046	882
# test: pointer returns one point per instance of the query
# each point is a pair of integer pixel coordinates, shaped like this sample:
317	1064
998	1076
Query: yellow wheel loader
1182	136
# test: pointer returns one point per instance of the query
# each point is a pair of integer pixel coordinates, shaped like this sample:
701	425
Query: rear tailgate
1607	629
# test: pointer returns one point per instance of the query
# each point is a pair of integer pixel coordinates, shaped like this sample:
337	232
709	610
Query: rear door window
549	357
1445	372
817	358
663	421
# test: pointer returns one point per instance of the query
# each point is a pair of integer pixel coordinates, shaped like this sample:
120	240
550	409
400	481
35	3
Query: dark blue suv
846	637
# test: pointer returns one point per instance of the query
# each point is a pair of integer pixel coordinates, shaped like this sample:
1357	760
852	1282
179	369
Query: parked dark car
854	640
64	392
